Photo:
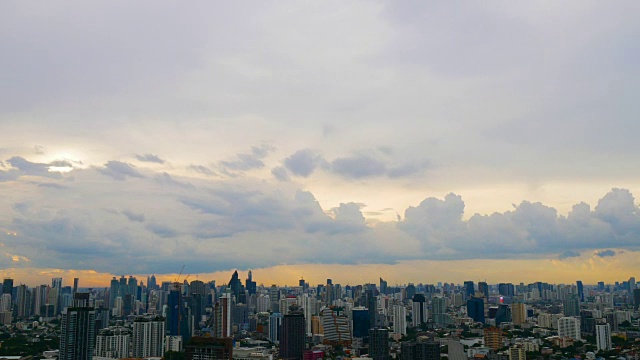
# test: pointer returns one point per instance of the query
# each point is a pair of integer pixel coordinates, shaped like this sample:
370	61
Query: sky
420	142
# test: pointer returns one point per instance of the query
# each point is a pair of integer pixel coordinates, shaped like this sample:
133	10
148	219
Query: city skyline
330	140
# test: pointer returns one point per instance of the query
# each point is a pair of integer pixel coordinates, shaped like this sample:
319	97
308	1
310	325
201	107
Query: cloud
303	162
247	161
604	253
280	173
201	170
119	170
379	163
150	158
358	166
197	222
39	150
133	216
37	169
568	254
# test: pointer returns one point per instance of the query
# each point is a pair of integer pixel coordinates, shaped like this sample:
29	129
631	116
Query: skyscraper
439	309
383	286
571	306
275	323
418	310
7	286
483	287
361	324
580	290
148	336
603	337
251	285
518	313
77	330
569	327
399	319
292	335
475	309
468	289
379	344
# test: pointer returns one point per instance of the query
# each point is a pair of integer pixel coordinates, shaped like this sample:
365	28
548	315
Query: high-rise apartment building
148	337
493	338
419	312
603	337
399	313
77	330
518	313
569	327
113	343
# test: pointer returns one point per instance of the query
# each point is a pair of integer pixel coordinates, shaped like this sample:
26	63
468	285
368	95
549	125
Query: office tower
41	293
439	309
113	343
151	283
274	298
399	313
468	289
569	327
632	284
429	350
336	327
518	313
419	310
506	289
636	299
483	288
75	286
132	287
580	288
493	338
113	292
379	344
475	309
56	283
372	306
53	299
275	322
603	337
7	286
571	306
77	330
251	285
410	290
455	351
292	335
383	287
517	352
600	285
236	287
309	309
148	337
503	314
360	320
207	348
23	300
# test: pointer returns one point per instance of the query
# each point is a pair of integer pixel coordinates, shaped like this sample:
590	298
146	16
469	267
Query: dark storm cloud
150	158
119	170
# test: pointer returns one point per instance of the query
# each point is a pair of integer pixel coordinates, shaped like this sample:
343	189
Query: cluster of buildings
240	320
